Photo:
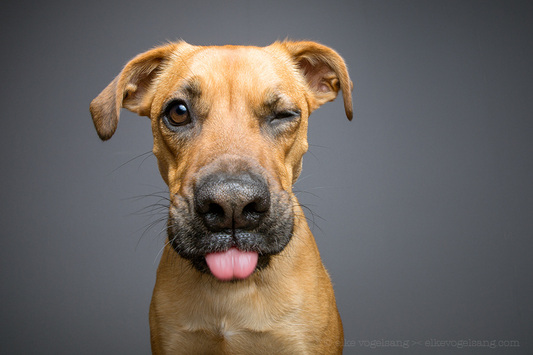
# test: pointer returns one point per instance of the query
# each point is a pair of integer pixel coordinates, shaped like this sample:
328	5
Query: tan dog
241	273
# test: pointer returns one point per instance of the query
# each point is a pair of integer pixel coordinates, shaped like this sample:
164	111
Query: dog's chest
236	325
226	338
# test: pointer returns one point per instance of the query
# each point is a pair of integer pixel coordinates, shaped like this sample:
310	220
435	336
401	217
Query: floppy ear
132	89
325	72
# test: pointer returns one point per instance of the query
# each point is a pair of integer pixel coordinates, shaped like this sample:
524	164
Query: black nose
228	201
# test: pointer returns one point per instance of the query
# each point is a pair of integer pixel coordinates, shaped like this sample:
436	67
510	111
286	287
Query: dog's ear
325	72
132	89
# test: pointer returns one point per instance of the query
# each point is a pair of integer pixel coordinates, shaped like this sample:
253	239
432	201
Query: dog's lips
232	264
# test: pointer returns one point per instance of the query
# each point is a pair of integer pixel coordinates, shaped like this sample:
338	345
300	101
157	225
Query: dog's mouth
230	223
227	256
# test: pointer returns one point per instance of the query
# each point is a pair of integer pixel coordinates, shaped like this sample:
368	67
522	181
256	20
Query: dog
241	272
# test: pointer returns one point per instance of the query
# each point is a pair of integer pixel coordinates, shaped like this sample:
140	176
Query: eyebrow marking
193	88
275	101
272	101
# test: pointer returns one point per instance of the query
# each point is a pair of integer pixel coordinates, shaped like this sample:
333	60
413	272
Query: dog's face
230	130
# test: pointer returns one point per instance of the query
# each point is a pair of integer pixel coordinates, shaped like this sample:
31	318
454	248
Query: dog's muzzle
231	225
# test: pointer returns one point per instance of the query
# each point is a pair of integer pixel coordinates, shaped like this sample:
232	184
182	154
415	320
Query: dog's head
230	130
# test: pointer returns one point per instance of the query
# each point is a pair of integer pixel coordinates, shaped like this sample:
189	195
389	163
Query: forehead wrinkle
238	79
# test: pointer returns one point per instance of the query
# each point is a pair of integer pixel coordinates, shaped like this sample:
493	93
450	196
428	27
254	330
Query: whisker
160	252
305	207
156	213
146	155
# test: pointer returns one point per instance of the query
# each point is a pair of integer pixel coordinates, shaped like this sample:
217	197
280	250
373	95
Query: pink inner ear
323	87
318	75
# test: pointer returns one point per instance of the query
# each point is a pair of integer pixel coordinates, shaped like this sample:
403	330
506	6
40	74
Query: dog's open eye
177	114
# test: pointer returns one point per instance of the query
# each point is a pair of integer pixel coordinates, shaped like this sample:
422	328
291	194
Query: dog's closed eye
286	114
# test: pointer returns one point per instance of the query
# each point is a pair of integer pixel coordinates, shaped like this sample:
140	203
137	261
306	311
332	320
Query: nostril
215	209
252	213
215	217
214	213
250	210
254	208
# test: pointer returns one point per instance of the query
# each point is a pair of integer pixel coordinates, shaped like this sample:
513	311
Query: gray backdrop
422	205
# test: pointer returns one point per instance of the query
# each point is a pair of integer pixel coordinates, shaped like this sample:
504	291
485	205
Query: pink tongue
232	264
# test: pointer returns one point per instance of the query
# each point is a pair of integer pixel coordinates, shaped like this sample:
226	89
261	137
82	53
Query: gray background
423	204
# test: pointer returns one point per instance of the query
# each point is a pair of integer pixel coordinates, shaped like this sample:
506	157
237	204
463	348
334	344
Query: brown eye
178	114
